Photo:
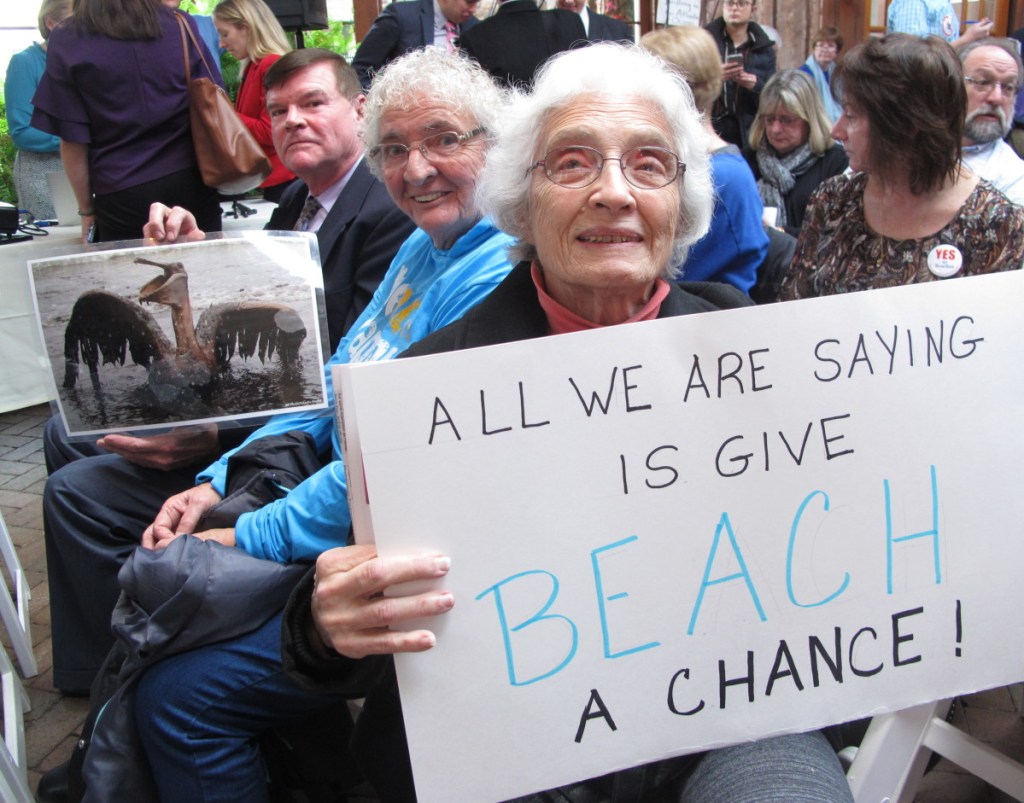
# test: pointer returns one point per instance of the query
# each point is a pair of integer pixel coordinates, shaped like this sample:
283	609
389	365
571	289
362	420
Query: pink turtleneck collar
562	320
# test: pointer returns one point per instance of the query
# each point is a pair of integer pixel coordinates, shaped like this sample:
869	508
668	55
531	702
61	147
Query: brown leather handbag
230	159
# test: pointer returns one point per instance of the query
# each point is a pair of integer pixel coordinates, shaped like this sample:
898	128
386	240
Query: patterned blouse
838	253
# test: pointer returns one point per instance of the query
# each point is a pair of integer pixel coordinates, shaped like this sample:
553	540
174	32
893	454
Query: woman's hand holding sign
351	612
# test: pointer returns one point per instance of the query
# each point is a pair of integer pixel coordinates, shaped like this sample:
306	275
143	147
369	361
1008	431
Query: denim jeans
200	713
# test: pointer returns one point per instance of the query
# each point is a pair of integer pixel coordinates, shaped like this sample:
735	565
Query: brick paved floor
54	723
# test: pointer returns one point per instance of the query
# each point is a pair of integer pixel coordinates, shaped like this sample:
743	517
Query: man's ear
359	104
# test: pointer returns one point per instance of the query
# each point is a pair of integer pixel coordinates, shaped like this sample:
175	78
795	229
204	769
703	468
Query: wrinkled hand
224	535
174	449
179	514
351	613
981	29
168	225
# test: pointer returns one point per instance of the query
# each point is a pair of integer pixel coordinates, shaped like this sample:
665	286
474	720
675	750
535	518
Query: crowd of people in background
447	173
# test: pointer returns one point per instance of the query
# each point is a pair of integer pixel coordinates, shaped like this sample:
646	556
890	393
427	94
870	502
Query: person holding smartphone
748	60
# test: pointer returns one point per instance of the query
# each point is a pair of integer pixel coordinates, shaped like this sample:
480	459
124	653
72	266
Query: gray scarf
778	175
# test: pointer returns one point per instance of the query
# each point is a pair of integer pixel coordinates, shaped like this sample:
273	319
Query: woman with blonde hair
791	149
251	33
736	244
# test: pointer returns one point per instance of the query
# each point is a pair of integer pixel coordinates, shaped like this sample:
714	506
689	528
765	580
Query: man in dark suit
520	37
410	25
315	105
599	27
359	229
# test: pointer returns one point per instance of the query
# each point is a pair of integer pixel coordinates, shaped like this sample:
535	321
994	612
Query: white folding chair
14	612
892	756
13	770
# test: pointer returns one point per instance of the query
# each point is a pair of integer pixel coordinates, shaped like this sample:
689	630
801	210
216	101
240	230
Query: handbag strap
185	28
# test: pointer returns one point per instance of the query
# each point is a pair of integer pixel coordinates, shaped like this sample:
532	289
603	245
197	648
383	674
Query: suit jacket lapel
287	212
427	22
345	209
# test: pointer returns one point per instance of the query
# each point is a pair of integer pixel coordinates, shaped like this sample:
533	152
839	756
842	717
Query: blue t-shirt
424	289
736	243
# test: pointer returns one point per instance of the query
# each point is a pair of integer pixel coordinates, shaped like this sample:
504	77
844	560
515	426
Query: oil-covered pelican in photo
108	327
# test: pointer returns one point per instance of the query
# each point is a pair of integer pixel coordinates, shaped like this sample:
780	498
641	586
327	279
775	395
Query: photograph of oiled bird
147	337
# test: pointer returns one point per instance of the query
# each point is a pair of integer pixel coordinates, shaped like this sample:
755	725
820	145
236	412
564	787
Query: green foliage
340	37
7	192
198	6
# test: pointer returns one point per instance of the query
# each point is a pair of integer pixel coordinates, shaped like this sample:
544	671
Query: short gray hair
432	75
1008	45
603	69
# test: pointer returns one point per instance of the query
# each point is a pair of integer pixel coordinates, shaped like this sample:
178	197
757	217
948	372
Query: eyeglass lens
784	119
576	166
986	85
434	147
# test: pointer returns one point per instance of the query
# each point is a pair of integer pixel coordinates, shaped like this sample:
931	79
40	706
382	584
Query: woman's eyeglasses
435	148
647	167
786	120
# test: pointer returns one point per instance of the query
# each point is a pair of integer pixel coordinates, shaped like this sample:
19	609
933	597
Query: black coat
759	59
602	28
832	163
520	37
401	27
357	241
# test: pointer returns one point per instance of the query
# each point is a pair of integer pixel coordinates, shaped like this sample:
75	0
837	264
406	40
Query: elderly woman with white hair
604	183
426	123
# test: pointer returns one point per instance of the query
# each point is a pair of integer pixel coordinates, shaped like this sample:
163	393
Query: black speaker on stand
300	15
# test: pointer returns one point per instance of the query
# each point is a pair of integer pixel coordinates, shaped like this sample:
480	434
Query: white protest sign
696	531
678	12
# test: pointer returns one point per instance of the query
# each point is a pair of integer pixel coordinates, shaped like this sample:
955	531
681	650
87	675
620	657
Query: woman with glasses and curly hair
427	124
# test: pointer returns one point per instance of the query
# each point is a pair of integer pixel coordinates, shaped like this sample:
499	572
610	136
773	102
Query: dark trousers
95	507
121	215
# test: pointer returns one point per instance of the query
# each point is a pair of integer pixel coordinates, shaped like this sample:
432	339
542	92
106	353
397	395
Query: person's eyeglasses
435	148
986	85
826	45
648	167
786	120
737	3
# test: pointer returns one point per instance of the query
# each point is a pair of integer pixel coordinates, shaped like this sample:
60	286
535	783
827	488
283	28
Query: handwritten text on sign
681	534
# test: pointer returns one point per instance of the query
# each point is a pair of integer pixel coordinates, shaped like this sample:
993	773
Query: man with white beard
994	73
